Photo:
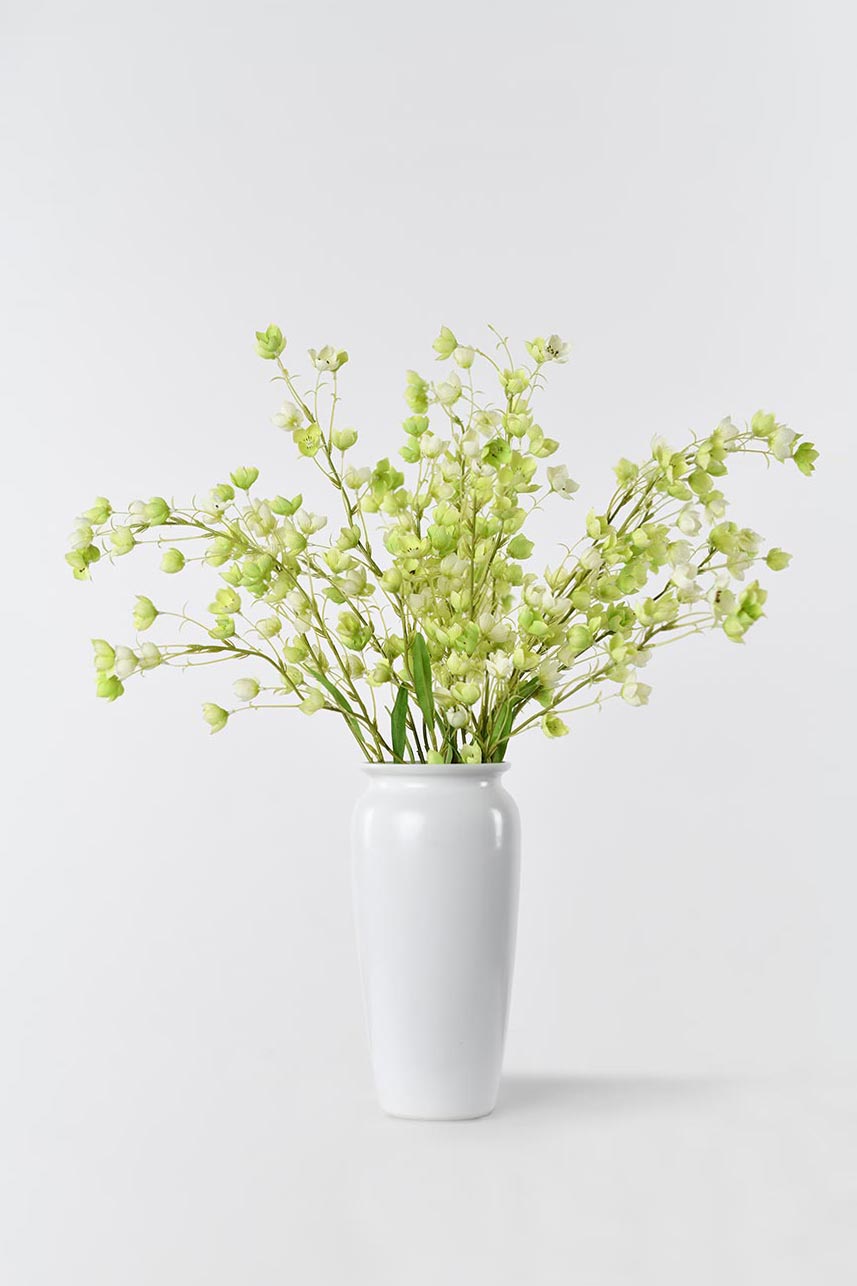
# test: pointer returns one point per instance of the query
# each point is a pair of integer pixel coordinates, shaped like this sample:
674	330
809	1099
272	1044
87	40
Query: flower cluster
416	615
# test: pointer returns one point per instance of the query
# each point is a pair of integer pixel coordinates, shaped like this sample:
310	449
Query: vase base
474	1114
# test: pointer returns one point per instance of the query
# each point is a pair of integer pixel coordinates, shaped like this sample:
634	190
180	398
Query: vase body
436	860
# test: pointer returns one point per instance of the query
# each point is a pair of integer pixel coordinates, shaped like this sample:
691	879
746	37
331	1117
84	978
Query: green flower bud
244	477
434	757
223	628
144	612
353	632
219	551
471	755
520	547
553	726
285	508
342	439
296	650
700	482
108	687
126	662
763	424
76	559
445	344
226	603
215	716
172	561
515	382
805	457
625	472
778	560
100	511
122	540
410	451
270	343
464	356
416	425
313	701
104	655
466	693
150	656
579	638
416	393
156	512
636	694
269	626
246	689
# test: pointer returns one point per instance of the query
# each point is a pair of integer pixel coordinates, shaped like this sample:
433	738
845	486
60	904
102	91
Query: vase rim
435	770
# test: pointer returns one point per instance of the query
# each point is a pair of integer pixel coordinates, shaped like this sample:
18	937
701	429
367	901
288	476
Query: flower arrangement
418	622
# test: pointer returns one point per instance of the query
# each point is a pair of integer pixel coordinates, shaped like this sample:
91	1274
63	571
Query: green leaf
505	719
421	666
342	701
397	723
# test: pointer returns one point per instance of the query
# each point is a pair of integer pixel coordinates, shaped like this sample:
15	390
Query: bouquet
416	615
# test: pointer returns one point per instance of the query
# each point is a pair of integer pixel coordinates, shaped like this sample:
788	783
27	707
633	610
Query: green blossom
244	478
104	655
172	561
445	344
145	613
270	343
215	716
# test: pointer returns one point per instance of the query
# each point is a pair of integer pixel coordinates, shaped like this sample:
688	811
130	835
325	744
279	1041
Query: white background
184	1088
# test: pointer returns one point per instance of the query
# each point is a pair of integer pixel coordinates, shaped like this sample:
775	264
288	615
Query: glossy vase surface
436	861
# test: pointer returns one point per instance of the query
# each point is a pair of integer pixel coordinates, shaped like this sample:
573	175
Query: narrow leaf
421	665
397	723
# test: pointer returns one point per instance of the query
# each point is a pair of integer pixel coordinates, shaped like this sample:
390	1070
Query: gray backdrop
184	1089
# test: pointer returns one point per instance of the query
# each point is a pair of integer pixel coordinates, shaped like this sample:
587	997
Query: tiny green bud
778	560
156	512
342	439
244	477
172	561
553	726
104	655
226	603
223	628
215	716
100	511
150	656
805	457
122	540
270	343
445	344
312	702
108	686
246	689
126	662
144	612
763	424
625	472
520	547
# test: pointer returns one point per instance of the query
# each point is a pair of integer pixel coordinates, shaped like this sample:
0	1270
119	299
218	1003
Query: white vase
436	859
